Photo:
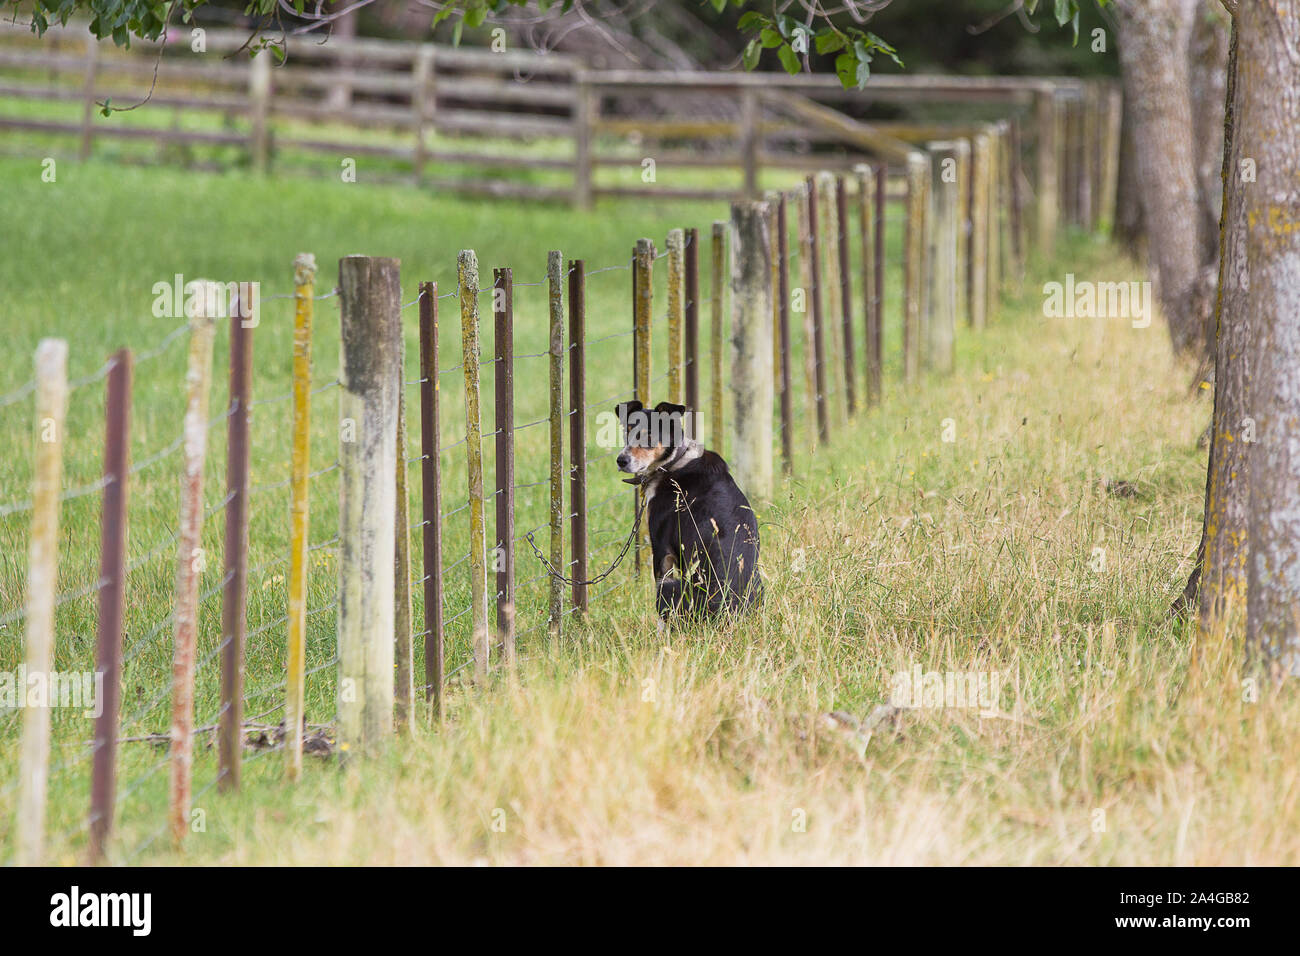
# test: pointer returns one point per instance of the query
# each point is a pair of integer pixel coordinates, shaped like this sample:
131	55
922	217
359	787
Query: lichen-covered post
996	209
716	290
1047	171
979	231
810	390
676	311
828	255
943	278
371	377
304	291
642	312
846	292
555	280
751	349
812	251
918	180
190	558
871	380
467	279
691	321
42	583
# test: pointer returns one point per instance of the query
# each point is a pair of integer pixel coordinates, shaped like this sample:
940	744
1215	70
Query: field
1000	551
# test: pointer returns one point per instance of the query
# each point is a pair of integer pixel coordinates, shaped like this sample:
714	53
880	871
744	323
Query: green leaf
457	31
846	68
752	52
752	20
770	38
789	59
829	41
474	16
719	5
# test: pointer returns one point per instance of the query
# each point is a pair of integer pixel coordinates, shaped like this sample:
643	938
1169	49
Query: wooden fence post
716	291
676	310
190	558
642	317
42	584
431	488
828	256
371	378
1046	188
304	292
1015	204
88	93
578	426
112	597
871	378
584	110
813	252
918	176
751	353
555	278
878	275
804	242
691	320
979	232
467	280
1108	179
962	159
993	267
259	104
234	599
422	93
749	138
783	334
943	286
503	377
846	292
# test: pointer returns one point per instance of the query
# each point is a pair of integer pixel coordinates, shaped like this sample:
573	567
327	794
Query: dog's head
652	434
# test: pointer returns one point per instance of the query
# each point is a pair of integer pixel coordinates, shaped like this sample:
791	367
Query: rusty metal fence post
578	430
234	600
112	597
503	377
431	497
555	281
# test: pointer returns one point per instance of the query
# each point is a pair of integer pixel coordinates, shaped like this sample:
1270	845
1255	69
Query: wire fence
284	634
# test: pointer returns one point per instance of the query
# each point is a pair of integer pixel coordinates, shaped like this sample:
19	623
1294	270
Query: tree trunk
1269	132
1130	230
1225	542
1154	40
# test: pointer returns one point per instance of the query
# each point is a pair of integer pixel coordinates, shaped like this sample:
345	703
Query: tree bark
1225	543
1269	131
1154	39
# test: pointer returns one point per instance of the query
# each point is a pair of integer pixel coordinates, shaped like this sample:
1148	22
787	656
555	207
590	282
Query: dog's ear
668	408
625	409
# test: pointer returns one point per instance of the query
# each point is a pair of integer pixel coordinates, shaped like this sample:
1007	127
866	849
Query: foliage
795	41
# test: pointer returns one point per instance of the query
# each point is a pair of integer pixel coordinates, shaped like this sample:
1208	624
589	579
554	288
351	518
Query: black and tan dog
703	533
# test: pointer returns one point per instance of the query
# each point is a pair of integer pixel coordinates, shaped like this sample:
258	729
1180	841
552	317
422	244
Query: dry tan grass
614	747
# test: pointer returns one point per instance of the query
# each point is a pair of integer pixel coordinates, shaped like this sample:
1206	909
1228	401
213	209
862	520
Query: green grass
888	549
